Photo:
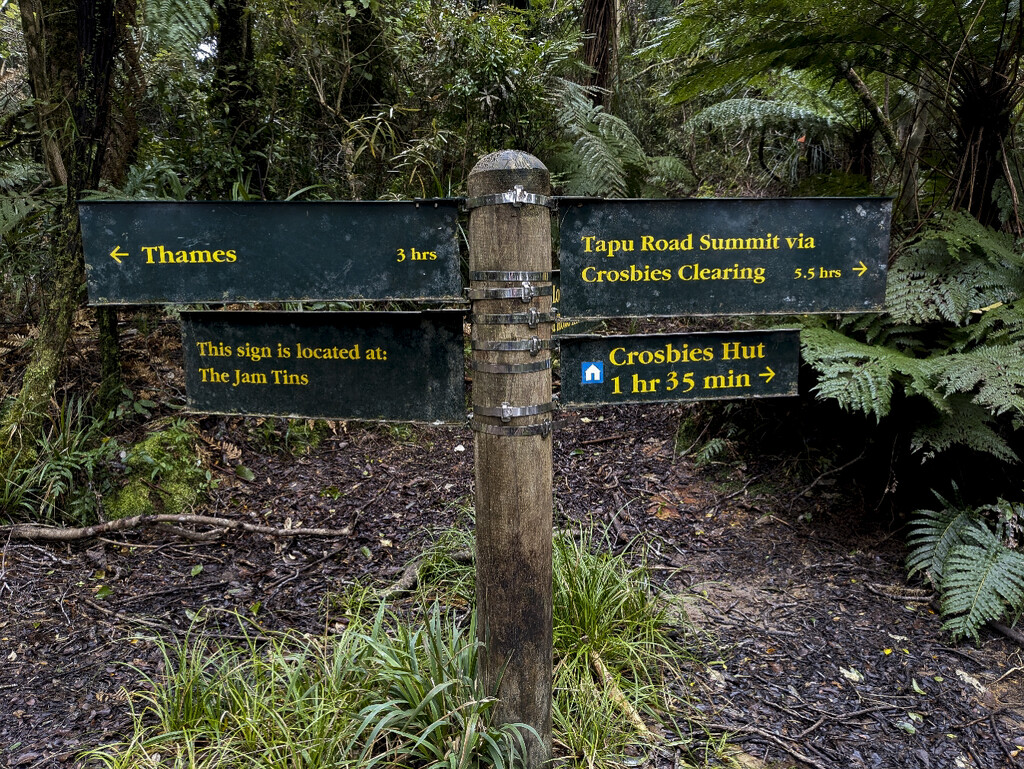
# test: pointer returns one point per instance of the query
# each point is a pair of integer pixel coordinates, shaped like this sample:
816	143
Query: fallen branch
618	697
410	575
21	531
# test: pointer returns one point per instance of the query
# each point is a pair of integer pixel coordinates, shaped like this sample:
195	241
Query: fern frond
983	581
933	534
1001	323
744	114
177	26
965	424
860	377
951	270
13	210
603	171
994	372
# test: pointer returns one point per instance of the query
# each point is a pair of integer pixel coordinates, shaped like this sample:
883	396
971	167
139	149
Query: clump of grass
616	657
378	693
400	690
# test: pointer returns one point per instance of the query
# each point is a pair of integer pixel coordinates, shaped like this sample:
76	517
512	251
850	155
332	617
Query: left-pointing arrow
117	253
768	374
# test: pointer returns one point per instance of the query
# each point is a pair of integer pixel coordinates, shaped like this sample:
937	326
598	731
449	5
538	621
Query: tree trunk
601	42
984	118
71	50
235	94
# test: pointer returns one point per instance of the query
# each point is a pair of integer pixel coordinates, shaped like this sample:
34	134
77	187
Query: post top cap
501	171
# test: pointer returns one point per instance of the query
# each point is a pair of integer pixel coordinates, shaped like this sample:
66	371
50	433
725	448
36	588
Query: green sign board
270	252
651	368
723	257
563	326
402	366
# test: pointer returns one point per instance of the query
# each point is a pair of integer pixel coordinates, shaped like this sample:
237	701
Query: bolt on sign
160	252
723	257
396	366
650	368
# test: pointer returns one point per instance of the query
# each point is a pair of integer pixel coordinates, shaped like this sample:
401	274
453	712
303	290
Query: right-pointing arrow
768	374
861	270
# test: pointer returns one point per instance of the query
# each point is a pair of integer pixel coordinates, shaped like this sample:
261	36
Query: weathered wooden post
510	288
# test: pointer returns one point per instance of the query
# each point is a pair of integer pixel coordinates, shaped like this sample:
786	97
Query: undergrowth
395	685
59	477
944	365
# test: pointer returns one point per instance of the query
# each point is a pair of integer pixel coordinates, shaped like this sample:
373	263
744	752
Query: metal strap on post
543	429
510	276
533	345
517	196
506	412
510	368
527	292
531	318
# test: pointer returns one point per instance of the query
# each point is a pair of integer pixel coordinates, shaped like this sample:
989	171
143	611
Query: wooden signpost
618	258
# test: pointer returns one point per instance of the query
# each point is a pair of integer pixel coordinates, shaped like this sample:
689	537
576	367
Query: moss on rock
165	475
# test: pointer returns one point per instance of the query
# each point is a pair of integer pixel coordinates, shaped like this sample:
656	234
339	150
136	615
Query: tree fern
602	155
745	113
177	26
933	534
983	581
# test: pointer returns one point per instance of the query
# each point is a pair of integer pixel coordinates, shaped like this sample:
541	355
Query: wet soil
818	652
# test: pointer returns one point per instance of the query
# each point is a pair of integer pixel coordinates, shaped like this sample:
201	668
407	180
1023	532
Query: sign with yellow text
403	366
715	365
161	252
722	257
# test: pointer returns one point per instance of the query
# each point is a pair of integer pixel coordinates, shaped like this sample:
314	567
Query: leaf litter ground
819	653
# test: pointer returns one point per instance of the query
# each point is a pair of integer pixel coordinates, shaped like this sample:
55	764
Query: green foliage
964	553
391	689
165	474
602	156
933	534
59	478
381	692
435	714
953	335
983	581
289	436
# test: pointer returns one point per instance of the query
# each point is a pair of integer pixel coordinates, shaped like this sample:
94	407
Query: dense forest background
286	99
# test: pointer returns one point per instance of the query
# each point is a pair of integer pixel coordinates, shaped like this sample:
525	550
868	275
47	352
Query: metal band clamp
517	196
533	345
531	318
510	276
527	292
506	411
510	368
542	428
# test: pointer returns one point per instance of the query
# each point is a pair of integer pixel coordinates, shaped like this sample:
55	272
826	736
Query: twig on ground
1009	632
410	575
72	534
605	439
775	740
821	477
